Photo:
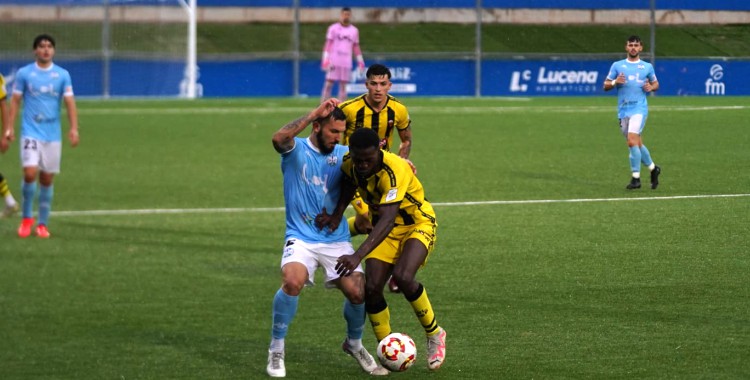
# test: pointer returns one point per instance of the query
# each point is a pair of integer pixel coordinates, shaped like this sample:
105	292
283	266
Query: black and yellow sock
4	191
423	309
380	319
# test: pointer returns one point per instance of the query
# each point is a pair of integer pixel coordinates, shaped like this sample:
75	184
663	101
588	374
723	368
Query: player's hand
411	165
73	137
325	108
362	224
361	66
323	220
346	264
620	79
6	139
647	87
325	65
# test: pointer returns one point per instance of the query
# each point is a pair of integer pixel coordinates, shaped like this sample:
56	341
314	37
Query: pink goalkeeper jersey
342	40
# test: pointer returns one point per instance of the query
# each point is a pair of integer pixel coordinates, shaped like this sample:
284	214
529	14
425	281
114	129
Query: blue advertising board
254	78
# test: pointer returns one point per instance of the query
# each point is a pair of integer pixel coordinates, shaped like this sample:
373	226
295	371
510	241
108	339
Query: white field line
438	205
413	109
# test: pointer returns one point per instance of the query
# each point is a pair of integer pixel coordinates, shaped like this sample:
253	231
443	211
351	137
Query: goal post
112	48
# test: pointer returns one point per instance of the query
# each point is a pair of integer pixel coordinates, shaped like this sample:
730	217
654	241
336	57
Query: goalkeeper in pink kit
342	42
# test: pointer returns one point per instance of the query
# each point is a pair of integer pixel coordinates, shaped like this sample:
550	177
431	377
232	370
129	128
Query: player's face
346	17
329	134
44	52
366	161
377	88
634	49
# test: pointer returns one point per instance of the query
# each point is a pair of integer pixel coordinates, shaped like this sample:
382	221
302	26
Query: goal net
112	48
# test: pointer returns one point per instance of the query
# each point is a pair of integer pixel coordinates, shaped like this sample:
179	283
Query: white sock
354	344
637	175
652	166
277	345
9	200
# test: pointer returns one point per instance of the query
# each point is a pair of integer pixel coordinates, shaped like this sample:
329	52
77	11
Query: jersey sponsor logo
714	85
392	193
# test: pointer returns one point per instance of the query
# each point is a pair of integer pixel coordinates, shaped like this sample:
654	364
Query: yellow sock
425	314
381	323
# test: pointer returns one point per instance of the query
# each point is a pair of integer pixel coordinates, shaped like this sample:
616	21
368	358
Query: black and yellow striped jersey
359	114
395	182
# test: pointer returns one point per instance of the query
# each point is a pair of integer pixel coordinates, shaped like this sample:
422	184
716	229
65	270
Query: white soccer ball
397	352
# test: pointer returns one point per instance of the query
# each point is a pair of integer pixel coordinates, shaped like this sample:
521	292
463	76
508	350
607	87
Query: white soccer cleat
436	350
275	366
365	360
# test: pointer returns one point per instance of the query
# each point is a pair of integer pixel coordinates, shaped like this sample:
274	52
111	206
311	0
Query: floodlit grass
629	284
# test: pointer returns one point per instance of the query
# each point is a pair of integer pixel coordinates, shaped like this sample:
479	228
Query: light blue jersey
43	91
312	181
631	99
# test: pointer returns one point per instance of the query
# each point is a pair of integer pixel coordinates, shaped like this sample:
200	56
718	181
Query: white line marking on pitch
441	204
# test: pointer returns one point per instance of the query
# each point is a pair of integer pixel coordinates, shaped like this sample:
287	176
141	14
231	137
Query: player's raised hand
647	87
325	108
620	79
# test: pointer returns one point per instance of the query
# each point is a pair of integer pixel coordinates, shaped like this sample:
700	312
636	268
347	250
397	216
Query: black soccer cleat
635	183
655	177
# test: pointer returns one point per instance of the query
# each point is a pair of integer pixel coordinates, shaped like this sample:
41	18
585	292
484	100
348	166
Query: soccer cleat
635	183
380	371
275	366
10	210
393	286
24	230
365	360
436	350
655	177
42	231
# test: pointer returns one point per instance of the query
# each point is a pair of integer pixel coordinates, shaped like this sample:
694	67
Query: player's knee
373	290
293	286
403	278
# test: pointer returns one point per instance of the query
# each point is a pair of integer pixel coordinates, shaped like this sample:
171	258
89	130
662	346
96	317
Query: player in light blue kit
312	174
634	79
42	86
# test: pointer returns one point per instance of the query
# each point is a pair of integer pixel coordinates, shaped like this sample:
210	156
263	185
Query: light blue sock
635	159
646	156
355	319
284	309
28	190
45	203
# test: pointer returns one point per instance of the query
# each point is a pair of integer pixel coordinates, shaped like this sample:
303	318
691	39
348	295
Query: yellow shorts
390	249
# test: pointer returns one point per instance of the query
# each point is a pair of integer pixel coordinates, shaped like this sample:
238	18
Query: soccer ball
397	352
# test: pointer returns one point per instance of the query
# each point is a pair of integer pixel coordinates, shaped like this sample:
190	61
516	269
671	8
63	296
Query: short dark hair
43	37
346	9
378	69
336	114
634	38
364	138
